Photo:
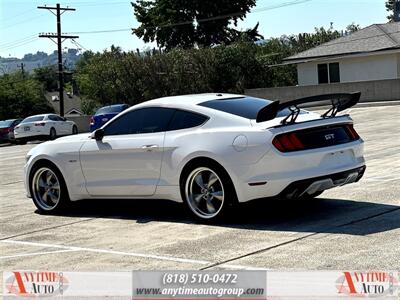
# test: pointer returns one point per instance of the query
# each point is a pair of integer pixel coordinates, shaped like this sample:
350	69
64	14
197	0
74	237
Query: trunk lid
310	131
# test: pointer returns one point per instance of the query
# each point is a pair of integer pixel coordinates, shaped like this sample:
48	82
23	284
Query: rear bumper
4	138
321	183
30	135
277	171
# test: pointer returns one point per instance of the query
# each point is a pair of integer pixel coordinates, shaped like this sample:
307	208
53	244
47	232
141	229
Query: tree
188	23
351	28
21	97
47	76
390	8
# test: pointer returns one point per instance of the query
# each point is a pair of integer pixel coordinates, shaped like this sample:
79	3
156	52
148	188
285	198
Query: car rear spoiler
338	102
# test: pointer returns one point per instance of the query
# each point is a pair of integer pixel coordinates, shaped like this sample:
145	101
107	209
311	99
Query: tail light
40	124
91	121
352	132
16	127
287	142
316	137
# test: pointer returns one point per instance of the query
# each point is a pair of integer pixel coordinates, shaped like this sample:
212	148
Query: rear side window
33	119
6	123
111	109
246	107
145	120
184	119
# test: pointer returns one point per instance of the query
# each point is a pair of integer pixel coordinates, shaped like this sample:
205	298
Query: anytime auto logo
36	283
367	284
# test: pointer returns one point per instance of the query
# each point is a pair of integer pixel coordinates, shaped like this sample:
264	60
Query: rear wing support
338	102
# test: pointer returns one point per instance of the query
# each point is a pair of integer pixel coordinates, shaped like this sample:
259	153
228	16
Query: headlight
28	157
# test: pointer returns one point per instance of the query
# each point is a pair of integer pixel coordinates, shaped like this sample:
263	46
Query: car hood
68	144
74	138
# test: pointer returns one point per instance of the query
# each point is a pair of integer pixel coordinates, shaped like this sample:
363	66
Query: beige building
372	53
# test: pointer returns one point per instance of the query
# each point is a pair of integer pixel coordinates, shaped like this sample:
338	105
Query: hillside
40	59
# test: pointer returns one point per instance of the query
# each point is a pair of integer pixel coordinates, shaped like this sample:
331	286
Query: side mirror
64	118
98	134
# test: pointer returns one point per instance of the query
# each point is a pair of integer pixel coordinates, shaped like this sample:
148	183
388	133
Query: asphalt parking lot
353	227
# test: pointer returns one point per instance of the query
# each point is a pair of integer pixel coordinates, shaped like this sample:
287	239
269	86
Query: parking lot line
37	253
150	256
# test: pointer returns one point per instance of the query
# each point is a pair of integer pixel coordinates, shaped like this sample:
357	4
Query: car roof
191	100
41	115
112	105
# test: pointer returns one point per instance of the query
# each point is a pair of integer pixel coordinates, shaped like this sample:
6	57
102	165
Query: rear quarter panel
182	146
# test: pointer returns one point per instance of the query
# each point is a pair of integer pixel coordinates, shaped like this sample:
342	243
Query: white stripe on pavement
149	256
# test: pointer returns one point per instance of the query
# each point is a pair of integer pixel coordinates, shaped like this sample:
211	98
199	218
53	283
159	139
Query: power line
22	22
34	39
17	41
100	31
289	3
95	3
19	14
89	4
78	44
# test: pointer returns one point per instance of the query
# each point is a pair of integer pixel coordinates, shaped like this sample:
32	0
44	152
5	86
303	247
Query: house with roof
72	103
372	53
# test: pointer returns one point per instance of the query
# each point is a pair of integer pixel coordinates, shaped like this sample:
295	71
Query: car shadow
322	215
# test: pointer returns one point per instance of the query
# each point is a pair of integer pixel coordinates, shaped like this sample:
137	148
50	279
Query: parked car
104	114
7	130
209	151
46	126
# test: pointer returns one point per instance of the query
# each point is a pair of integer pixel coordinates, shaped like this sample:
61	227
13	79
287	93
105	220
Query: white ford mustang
209	151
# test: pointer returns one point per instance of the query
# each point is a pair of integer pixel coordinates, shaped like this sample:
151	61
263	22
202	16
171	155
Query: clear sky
21	21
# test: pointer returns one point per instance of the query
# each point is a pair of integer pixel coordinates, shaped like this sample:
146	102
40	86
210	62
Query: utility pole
22	70
60	38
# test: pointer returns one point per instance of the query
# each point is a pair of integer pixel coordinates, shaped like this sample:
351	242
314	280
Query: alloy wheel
204	193
46	189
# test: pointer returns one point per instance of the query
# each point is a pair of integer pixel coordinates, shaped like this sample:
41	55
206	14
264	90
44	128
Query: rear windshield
6	123
246	107
111	109
33	119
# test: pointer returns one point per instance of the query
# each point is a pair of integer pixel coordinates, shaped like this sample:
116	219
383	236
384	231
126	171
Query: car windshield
246	107
110	109
6	123
33	119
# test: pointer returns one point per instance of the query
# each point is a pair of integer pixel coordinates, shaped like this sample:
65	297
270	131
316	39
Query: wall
372	67
376	90
398	64
82	122
307	73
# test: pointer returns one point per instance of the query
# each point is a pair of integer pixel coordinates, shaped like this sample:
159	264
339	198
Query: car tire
74	129
52	134
48	189
207	191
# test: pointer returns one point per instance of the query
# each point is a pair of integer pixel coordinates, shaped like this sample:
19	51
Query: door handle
149	147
